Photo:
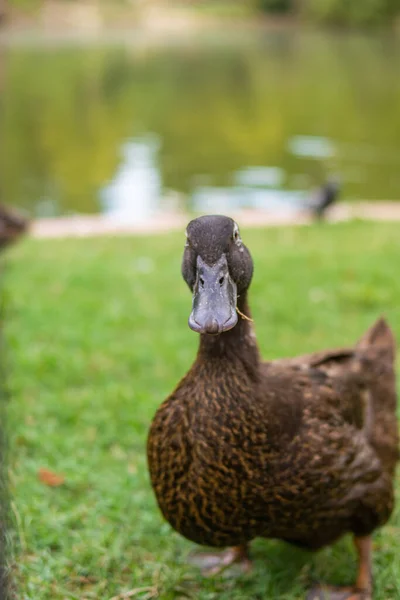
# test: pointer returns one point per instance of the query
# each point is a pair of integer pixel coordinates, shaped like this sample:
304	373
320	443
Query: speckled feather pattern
281	450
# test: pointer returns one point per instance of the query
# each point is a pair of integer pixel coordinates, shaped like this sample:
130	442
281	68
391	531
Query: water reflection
311	146
225	199
260	188
259	176
134	195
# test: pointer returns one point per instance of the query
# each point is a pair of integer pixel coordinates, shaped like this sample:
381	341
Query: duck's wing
362	379
333	361
377	347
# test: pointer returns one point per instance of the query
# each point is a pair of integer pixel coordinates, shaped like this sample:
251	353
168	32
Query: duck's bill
214	300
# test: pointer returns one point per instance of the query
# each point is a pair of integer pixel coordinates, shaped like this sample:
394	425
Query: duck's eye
236	235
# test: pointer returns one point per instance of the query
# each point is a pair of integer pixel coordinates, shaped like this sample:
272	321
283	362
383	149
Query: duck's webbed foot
213	563
331	593
363	588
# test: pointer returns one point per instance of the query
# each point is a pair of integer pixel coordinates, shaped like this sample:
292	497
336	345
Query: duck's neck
236	345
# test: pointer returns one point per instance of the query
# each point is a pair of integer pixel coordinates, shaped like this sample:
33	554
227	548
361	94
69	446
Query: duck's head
218	268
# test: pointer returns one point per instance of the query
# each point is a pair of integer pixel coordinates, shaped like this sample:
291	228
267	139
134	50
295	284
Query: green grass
97	338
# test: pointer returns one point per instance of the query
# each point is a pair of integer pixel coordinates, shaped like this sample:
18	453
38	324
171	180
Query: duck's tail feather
379	340
377	352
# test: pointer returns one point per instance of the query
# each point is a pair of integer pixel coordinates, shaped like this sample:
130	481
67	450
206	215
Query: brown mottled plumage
300	449
12	226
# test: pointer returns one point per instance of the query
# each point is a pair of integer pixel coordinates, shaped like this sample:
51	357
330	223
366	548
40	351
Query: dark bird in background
323	198
12	226
301	449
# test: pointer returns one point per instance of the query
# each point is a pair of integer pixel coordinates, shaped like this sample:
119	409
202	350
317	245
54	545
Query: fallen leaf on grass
49	478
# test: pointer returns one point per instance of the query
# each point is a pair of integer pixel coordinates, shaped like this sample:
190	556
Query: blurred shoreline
164	222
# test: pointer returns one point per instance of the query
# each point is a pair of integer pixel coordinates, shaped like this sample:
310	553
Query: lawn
97	337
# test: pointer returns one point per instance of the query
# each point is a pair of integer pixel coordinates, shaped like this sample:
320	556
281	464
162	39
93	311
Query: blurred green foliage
356	12
274	6
336	12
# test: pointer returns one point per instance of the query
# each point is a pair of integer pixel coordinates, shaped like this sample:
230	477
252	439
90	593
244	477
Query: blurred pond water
255	120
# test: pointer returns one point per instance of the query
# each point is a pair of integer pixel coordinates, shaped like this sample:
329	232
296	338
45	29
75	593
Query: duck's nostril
221	280
211	326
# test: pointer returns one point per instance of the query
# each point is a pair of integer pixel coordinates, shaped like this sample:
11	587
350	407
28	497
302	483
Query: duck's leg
363	587
364	577
214	563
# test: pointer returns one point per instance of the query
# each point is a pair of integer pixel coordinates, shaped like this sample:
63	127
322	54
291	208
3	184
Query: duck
324	198
12	226
302	449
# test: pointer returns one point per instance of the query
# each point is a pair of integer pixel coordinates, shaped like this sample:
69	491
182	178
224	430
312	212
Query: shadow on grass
280	571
